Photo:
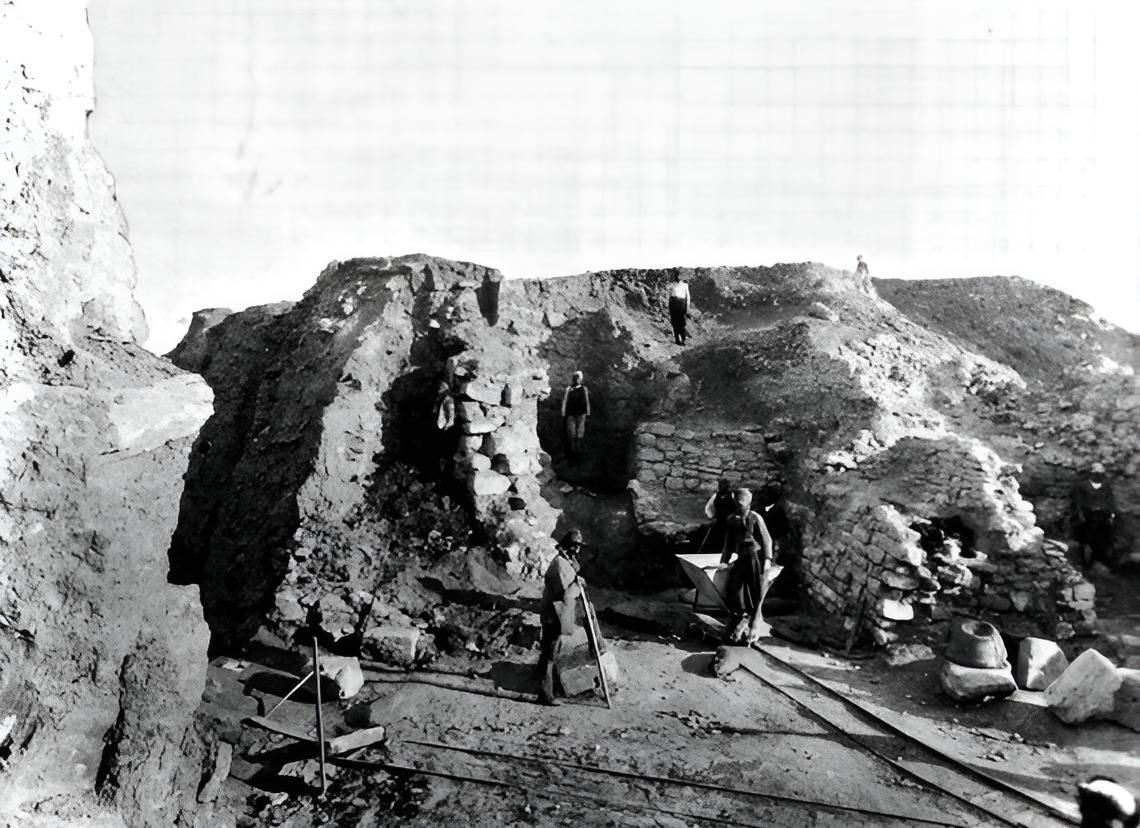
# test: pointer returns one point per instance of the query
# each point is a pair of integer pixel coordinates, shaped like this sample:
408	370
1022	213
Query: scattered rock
1039	663
895	610
391	644
821	311
222	760
903	654
1126	701
970	684
1086	690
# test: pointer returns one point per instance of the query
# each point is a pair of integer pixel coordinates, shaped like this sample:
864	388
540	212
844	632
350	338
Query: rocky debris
223	757
391	644
1039	663
1086	690
821	311
900	655
974	684
344	671
1126	700
102	661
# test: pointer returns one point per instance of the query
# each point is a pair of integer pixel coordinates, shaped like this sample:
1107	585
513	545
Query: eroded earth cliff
102	662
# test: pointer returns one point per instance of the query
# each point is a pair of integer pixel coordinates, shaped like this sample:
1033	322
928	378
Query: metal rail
946	759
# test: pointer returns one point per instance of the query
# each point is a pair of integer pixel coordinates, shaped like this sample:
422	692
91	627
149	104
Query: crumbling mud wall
285	519
896	446
102	662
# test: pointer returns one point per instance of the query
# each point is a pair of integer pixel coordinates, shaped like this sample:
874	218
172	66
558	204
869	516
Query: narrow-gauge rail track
630	791
999	801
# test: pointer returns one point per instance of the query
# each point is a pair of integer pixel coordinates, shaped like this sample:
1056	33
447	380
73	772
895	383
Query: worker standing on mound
862	272
748	540
558	611
575	410
679	309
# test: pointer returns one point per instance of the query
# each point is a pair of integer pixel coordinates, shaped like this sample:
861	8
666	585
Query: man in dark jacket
558	610
717	509
1094	517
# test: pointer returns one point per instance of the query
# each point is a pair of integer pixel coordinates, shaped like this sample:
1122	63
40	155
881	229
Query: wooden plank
355	740
338	744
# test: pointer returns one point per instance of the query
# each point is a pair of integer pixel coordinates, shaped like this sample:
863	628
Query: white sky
253	141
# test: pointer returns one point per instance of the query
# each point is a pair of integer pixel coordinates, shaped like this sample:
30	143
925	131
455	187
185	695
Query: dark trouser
1096	538
744	581
551	633
678	315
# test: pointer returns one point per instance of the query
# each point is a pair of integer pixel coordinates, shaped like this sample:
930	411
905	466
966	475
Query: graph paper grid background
255	141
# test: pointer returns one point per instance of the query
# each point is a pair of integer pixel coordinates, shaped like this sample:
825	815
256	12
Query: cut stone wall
685	459
864	562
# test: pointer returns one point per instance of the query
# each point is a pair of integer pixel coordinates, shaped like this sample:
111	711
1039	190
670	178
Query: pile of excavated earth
175	533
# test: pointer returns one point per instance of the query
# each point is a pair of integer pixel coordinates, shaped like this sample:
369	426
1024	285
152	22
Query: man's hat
572	538
1097	468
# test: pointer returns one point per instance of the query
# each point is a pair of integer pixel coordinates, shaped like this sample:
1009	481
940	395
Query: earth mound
905	448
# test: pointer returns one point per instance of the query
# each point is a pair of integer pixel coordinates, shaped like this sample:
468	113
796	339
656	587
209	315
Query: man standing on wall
558	610
679	309
862	272
575	410
1094	516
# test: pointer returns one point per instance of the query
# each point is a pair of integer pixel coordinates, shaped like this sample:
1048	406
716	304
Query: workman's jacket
560	575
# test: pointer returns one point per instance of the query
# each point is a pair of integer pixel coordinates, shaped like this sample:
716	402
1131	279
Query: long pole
594	637
320	718
286	697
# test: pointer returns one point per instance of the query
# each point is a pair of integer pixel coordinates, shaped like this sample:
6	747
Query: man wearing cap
1094	515
558	610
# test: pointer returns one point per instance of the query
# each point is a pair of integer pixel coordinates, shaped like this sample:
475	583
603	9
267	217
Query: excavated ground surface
671	718
849	402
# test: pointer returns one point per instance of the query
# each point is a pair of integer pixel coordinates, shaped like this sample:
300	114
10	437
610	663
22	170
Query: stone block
1039	663
899	580
661	429
346	672
1126	700
973	684
484	390
489	483
1086	690
478	462
895	610
650	455
391	644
